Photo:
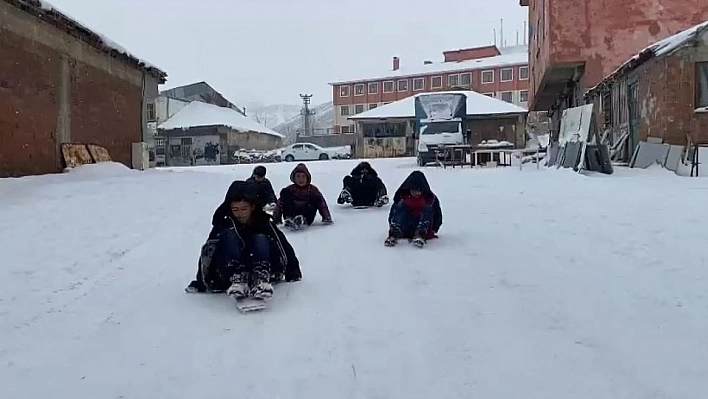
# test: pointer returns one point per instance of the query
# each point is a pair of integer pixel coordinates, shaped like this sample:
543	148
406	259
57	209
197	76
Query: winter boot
381	201
239	285
344	196
289	223
394	233
418	240
391	241
299	221
261	286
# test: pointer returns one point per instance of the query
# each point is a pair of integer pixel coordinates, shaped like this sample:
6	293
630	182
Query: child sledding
245	252
299	202
415	213
363	188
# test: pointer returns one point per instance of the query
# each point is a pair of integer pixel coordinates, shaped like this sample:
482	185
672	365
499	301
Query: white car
305	152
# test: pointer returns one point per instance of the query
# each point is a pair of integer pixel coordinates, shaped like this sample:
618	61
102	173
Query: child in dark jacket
299	202
415	213
266	194
363	187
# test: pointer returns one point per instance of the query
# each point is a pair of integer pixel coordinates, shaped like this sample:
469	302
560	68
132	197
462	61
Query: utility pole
306	113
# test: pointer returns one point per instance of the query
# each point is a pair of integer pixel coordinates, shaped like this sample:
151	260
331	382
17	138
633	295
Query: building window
465	79
419	84
507	75
523	96
701	84
359	108
487	76
388	87
403	85
489	94
160	142
453	80
359	90
373	88
151	115
344	129
524	73
372	106
344	91
508	96
436	82
344	110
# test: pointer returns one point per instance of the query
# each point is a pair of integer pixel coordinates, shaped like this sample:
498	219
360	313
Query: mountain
323	120
271	115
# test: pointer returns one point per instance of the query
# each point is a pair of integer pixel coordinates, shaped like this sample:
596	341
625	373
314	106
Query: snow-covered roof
197	113
507	58
477	105
658	49
48	13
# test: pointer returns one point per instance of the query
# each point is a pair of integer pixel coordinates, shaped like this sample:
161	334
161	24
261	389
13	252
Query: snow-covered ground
544	284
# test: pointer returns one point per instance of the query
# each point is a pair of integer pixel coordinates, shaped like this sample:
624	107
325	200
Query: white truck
440	120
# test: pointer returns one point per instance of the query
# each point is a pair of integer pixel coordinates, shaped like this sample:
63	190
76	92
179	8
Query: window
403	85
507	96
523	96
465	79
701	84
151	112
344	91
507	75
453	80
372	106
487	76
359	108
436	82
390	129
524	73
373	88
359	90
298	147
160	142
388	87
344	110
419	84
489	94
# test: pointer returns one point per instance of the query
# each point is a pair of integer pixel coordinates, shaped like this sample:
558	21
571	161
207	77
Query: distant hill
322	120
271	115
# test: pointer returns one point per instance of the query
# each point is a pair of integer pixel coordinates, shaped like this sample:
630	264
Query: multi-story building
574	44
497	72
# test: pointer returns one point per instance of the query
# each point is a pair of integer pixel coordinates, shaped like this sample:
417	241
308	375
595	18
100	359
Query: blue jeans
242	256
405	225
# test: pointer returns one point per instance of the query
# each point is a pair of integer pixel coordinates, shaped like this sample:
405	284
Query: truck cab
440	120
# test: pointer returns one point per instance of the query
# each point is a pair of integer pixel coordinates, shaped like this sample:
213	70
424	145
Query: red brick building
501	73
62	83
661	93
574	44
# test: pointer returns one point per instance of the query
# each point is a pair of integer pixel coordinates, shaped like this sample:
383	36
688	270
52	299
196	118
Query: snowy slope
323	120
544	284
272	115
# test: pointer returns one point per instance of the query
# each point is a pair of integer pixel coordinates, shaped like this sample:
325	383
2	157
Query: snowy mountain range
286	119
322	120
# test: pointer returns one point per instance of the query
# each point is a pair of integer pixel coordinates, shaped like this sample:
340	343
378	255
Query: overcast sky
270	51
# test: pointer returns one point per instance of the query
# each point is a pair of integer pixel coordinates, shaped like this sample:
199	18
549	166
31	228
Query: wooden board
99	154
75	155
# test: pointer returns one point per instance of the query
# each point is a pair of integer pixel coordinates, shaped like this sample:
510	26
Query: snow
198	113
45	5
477	104
543	284
512	58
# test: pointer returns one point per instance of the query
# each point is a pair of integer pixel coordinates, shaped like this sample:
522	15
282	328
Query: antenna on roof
526	35
495	36
501	33
517	37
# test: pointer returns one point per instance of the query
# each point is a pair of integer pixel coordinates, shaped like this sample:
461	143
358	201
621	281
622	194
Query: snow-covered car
306	152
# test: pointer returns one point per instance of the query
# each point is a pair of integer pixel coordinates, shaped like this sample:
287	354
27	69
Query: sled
249	304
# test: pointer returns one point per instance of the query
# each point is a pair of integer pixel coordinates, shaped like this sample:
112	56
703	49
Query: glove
269	207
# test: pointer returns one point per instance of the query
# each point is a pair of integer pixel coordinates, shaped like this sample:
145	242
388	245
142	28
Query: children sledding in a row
246	253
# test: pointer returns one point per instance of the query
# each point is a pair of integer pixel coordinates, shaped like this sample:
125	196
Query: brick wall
55	88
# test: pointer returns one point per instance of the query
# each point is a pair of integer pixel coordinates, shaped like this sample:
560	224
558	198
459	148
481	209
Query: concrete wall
600	34
203	150
56	89
511	129
333	140
381	147
252	140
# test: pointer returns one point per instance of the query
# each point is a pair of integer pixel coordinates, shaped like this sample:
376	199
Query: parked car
305	152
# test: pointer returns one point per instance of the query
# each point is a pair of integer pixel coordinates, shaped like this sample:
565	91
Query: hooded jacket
369	179
265	191
417	181
284	259
308	194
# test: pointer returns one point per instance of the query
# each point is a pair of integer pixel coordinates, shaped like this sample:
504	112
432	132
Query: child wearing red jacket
415	213
299	202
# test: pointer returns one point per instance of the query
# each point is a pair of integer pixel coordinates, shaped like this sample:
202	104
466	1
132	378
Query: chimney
427	62
396	63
